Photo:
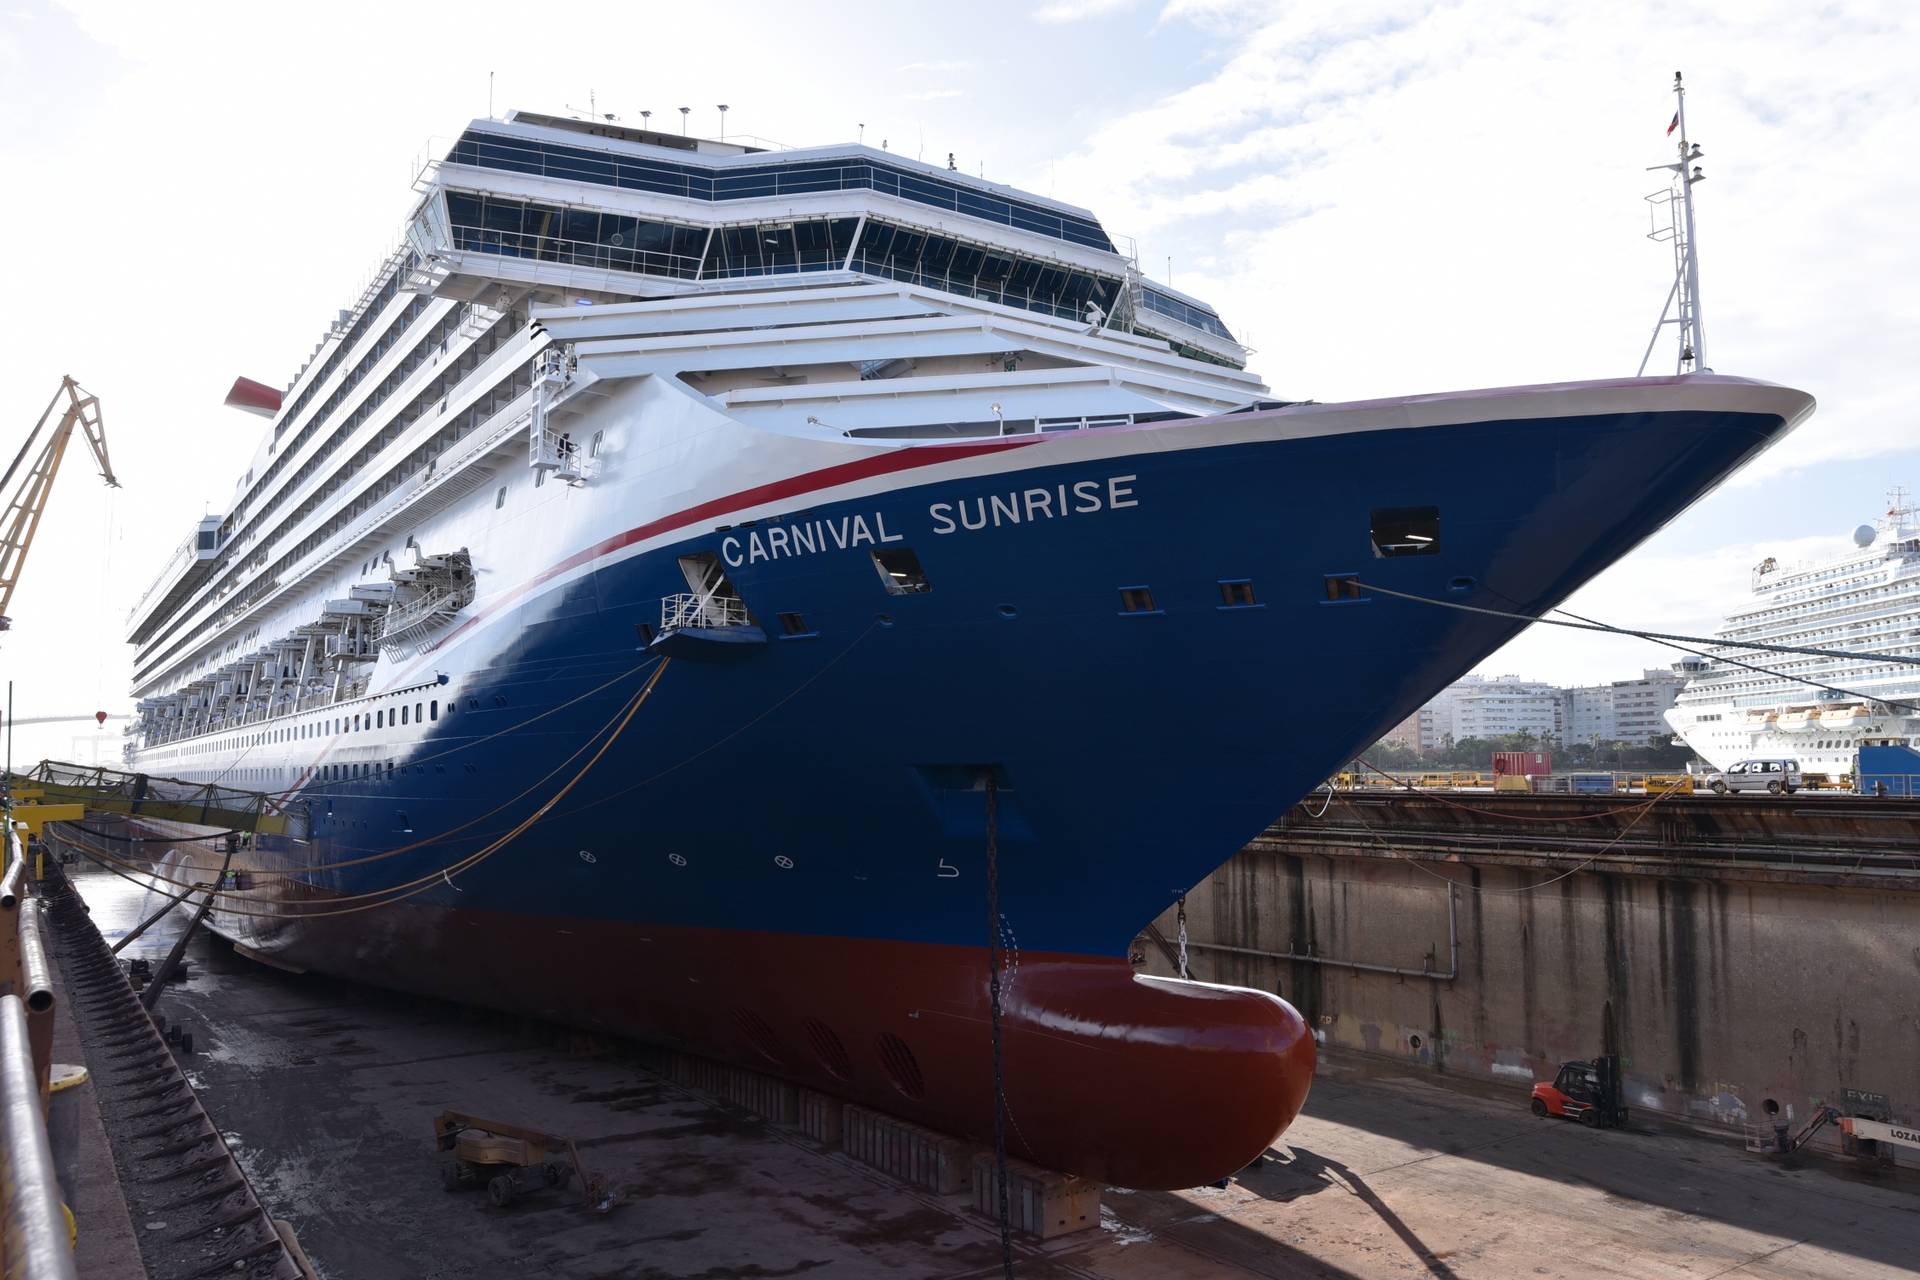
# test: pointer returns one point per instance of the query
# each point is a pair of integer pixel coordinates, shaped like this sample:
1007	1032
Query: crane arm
28	502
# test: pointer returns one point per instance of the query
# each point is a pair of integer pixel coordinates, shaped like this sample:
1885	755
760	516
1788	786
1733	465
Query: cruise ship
689	575
1811	708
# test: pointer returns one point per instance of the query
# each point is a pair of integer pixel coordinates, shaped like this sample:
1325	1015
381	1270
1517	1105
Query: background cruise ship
1867	602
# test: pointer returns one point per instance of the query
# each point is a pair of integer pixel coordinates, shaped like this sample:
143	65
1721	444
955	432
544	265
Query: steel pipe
1453	944
35	1237
35	991
13	886
36	977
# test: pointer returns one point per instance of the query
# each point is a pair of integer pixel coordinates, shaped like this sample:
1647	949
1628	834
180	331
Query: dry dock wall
1721	987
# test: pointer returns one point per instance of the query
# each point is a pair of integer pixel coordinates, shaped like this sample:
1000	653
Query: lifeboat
1798	720
1853	717
1760	718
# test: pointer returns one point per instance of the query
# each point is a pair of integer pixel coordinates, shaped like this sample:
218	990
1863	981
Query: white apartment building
1586	711
1629	711
1639	706
1503	705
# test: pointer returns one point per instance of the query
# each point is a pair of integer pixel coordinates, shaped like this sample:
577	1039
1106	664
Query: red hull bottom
1138	1082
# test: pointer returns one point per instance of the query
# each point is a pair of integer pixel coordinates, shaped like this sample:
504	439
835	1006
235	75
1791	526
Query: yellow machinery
27	500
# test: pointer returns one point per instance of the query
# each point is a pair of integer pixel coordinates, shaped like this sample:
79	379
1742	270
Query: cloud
936	66
931	94
53	76
1679	591
1459	186
1076	10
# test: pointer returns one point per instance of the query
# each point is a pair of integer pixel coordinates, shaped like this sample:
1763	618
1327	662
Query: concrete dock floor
326	1092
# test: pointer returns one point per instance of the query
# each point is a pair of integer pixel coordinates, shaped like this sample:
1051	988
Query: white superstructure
1813	708
560	279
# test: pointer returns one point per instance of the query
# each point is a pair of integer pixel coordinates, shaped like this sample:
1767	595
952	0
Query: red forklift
1585	1091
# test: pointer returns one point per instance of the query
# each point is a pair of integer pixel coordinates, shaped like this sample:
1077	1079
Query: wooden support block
772	1099
1040	1202
821	1117
910	1152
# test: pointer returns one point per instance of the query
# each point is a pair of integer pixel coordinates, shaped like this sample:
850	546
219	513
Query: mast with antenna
1678	199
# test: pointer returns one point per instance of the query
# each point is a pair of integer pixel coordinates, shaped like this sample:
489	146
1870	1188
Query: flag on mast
1674	125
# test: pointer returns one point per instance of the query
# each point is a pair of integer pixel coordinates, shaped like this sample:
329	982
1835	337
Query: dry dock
1750	958
326	1093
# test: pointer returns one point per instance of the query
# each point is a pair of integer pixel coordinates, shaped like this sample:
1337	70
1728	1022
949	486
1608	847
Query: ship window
991	274
433	710
599	438
416	715
356	724
794	624
1137	600
1343	588
900	571
499	699
500	498
645	632
775	248
473	704
379	719
403	715
1174	309
1236	595
1405	531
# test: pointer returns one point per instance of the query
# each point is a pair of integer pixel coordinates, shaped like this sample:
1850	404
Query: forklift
1585	1091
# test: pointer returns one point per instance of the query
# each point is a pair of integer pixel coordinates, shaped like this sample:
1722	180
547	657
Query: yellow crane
27	501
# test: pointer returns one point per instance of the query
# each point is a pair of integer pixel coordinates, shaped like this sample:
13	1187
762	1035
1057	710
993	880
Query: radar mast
1677	201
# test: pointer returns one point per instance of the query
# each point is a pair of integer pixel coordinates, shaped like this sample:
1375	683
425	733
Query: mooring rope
400	892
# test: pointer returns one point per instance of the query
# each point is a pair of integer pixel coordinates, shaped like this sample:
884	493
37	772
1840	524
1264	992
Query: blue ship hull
805	829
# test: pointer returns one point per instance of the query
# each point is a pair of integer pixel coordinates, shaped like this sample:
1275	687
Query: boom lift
28	500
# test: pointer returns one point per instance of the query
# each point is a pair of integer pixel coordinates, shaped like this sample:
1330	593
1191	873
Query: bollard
35	1226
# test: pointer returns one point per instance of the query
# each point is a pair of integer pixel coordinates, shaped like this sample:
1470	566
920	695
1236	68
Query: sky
1380	196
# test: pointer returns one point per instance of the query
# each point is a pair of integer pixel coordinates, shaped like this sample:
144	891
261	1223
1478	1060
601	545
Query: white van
1773	776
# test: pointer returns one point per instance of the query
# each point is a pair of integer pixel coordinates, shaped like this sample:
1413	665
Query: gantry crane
28	500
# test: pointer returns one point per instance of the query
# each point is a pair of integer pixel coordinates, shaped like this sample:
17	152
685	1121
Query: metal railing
576	253
34	1243
415	618
688	610
206	804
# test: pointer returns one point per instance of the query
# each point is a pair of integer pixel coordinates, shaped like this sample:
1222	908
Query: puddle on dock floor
326	1091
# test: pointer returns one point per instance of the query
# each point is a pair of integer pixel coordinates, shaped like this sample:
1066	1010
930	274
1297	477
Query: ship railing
678	612
429	608
577	253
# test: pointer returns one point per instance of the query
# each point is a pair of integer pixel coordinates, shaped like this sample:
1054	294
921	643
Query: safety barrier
34	1240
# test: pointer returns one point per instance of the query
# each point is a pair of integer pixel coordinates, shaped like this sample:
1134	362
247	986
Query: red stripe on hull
1138	1082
